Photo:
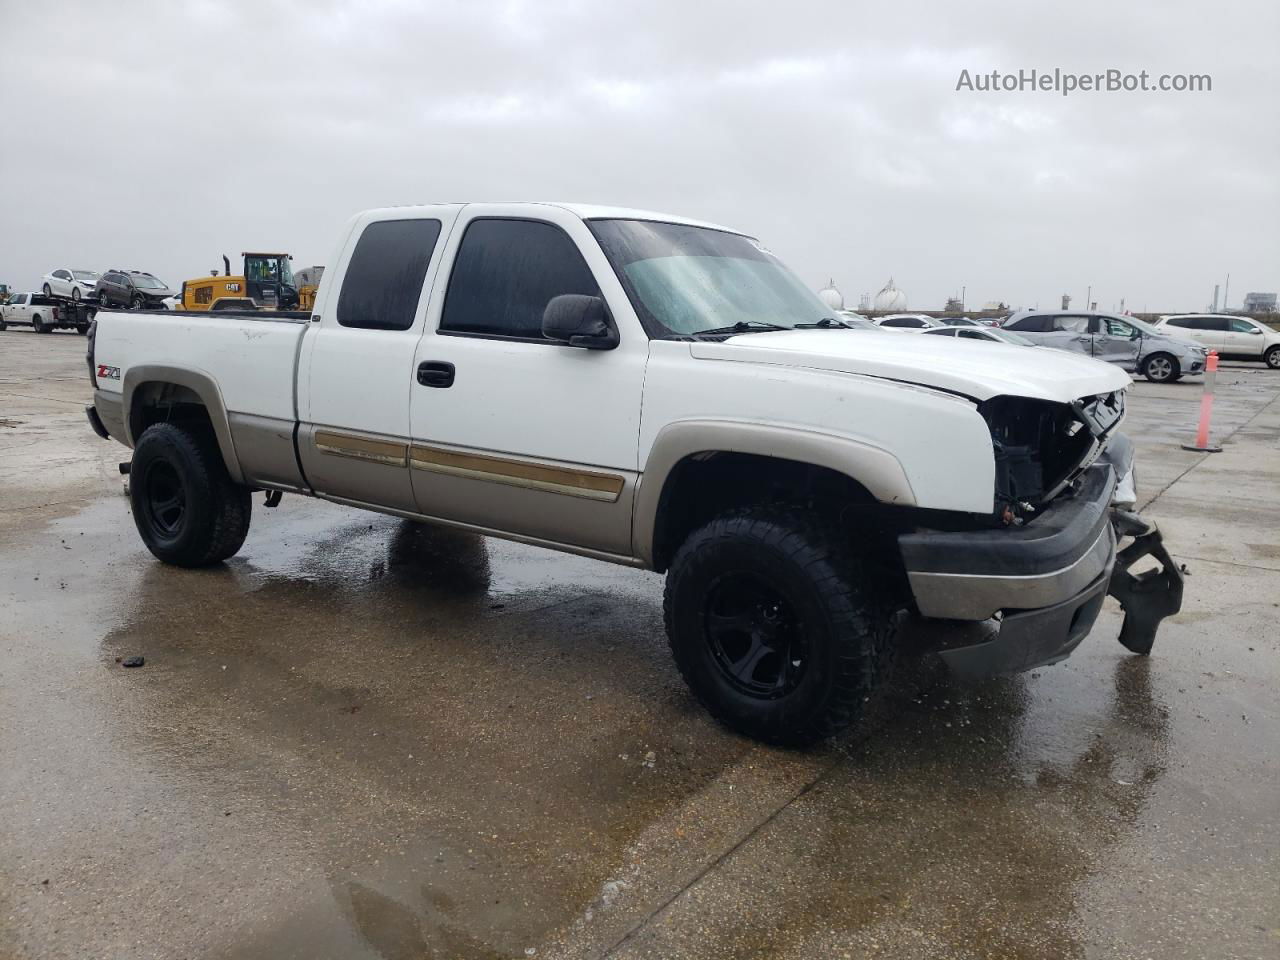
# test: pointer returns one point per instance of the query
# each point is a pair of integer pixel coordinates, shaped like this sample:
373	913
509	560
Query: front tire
75	294
186	507
137	303
774	626
1272	357
47	292
1161	368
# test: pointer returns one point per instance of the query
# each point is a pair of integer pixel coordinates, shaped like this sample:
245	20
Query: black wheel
1272	357
136	304
774	625
47	291
185	505
38	324
1161	368
3	326
82	328
75	294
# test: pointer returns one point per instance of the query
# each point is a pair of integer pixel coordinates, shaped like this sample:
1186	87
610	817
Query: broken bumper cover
1043	584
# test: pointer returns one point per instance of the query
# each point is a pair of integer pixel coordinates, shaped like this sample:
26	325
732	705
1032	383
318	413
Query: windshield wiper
826	323
742	326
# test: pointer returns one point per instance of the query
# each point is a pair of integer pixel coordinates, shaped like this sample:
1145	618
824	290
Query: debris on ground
133	661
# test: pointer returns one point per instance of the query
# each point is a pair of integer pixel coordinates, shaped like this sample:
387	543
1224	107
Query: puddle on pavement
432	744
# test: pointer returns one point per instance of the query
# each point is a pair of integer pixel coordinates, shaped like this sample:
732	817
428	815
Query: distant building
994	305
1259	303
832	297
890	299
953	305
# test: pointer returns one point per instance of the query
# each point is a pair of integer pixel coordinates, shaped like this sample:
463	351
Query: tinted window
1036	324
948	332
62	275
384	278
1209	323
902	322
1179	322
973	335
506	273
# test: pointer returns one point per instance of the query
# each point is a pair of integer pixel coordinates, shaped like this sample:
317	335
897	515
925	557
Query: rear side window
902	322
383	282
506	273
1179	321
1036	324
1209	323
1071	324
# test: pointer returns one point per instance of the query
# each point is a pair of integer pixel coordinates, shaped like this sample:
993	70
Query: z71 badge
108	373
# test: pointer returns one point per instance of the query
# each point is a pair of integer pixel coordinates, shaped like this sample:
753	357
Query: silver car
1126	341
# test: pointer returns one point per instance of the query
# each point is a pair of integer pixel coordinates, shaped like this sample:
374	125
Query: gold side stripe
519	473
362	448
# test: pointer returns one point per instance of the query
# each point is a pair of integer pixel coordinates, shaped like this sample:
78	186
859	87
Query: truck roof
587	211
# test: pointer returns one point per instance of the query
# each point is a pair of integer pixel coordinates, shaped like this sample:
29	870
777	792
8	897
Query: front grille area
1042	446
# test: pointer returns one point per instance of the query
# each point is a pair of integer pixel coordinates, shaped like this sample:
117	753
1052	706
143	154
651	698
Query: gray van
1131	343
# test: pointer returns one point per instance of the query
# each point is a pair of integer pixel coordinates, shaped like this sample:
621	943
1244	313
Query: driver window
1118	328
1242	326
972	335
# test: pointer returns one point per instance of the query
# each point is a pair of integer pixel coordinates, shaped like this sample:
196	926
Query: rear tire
1272	357
82	328
37	324
774	624
3	326
75	294
186	507
1161	368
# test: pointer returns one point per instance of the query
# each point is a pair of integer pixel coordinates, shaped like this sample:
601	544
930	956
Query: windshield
88	276
683	280
146	283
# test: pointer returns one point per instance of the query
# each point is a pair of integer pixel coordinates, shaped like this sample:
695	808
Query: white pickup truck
662	393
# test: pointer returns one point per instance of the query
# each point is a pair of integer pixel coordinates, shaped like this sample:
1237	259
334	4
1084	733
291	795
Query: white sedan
76	284
908	322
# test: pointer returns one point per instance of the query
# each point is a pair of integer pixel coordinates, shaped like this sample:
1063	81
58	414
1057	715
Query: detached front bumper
1039	588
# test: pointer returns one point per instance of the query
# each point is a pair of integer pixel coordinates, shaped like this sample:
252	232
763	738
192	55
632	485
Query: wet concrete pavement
366	738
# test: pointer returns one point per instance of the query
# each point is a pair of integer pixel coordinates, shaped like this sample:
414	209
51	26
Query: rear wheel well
705	485
157	402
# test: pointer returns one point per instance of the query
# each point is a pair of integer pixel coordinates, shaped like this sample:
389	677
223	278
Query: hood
979	370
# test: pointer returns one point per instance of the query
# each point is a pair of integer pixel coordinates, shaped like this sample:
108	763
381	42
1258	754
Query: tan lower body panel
569	481
544	502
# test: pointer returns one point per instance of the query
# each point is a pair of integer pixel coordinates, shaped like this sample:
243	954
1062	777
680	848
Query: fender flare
199	383
876	469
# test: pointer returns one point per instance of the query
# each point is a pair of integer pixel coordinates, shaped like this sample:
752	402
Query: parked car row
1235	338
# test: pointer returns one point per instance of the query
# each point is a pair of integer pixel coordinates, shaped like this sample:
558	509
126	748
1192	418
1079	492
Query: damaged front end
1029	585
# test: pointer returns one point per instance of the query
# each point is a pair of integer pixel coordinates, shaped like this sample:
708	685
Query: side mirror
1253	330
580	321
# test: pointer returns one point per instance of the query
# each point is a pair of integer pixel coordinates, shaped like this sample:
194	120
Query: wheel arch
149	386
858	470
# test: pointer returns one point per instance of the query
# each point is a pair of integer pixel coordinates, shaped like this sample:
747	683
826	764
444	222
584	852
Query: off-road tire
214	516
843	619
1154	369
1272	357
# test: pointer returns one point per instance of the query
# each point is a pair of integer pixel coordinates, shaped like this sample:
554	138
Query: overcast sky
157	136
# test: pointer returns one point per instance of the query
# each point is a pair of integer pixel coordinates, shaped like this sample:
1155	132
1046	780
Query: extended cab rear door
356	370
513	431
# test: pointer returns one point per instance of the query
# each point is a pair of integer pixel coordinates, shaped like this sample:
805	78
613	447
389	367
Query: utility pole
962	301
1226	292
1088	298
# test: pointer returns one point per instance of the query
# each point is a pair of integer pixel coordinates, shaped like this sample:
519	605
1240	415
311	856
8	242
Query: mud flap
1147	597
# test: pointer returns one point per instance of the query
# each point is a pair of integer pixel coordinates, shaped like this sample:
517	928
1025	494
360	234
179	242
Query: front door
1242	338
512	431
1069	332
356	368
1116	341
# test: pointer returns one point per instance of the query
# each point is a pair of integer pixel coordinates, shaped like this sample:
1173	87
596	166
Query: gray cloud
158	136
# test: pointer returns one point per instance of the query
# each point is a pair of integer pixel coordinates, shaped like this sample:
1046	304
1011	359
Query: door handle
435	373
1083	339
